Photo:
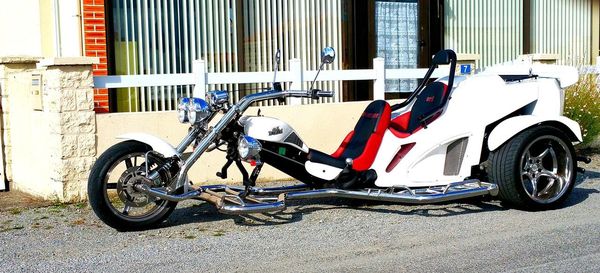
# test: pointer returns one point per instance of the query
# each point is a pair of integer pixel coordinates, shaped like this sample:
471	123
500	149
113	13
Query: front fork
210	136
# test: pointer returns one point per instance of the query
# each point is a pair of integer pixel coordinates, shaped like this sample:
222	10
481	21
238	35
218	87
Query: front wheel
112	192
535	170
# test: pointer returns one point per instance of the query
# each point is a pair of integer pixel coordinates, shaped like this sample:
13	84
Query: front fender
157	144
512	126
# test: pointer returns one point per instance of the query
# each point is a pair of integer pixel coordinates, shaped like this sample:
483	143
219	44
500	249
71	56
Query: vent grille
454	156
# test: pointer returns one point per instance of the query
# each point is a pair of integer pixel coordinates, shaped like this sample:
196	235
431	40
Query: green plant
15	211
582	104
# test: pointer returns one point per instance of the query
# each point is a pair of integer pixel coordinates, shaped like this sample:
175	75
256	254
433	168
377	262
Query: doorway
404	32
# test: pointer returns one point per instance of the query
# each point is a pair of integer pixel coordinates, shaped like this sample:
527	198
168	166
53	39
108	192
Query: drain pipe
57	41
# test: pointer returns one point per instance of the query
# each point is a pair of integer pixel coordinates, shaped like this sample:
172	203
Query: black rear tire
535	170
99	198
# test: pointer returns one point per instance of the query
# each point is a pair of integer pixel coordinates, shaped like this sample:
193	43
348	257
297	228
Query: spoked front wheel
536	169
112	188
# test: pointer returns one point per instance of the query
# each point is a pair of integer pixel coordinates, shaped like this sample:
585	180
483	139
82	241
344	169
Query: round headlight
182	109
217	98
198	110
248	148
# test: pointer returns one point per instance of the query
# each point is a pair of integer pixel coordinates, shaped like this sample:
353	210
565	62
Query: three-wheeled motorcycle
498	133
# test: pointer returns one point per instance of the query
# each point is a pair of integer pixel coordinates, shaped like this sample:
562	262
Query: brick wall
94	27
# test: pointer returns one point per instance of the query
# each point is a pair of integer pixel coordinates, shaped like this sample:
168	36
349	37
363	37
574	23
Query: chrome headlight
182	109
198	110
217	98
248	148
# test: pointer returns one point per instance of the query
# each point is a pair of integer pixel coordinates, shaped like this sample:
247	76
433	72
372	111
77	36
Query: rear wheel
535	170
112	188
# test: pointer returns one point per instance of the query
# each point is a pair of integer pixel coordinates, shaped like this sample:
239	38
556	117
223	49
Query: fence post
379	82
199	70
298	79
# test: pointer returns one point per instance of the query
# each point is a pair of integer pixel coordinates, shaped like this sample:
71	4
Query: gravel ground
316	236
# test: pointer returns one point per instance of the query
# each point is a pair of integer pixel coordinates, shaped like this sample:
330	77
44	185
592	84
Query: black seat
362	144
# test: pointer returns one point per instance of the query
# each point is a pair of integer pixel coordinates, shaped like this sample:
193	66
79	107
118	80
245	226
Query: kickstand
250	182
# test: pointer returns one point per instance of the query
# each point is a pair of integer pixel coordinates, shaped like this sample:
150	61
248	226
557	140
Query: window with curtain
397	34
164	37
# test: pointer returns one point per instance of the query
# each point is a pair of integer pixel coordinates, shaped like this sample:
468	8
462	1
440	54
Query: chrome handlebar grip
324	94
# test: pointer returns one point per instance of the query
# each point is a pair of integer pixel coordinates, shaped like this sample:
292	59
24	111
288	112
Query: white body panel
475	103
271	129
322	171
157	144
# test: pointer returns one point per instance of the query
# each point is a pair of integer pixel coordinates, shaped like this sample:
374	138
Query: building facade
161	36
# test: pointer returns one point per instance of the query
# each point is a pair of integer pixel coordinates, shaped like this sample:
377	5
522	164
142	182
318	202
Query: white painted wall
20	28
69	23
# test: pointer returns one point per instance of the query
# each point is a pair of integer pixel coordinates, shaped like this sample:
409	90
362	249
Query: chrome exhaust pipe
406	196
234	204
252	208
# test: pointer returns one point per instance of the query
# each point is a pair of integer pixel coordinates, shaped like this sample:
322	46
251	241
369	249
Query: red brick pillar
94	26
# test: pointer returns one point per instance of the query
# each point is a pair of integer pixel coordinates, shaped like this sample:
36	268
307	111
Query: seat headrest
444	57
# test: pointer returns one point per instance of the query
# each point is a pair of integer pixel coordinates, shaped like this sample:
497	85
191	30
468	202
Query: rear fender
157	144
513	126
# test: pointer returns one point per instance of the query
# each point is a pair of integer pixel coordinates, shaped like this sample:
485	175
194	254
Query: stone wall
68	101
51	147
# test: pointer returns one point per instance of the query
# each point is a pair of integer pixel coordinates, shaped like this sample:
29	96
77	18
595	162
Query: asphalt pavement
316	236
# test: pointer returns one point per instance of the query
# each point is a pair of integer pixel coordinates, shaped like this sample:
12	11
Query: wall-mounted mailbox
36	91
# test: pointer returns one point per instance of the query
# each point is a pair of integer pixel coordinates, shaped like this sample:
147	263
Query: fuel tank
272	130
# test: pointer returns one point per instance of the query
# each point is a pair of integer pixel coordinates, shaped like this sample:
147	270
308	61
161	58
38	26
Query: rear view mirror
327	55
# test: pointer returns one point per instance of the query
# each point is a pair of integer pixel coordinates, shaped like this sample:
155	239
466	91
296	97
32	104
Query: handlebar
246	101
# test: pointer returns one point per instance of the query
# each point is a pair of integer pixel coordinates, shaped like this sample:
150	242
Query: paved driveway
334	236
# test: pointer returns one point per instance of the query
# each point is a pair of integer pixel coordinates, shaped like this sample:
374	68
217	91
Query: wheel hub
546	169
126	188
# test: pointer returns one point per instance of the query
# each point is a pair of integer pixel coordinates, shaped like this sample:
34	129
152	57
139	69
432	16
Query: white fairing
157	144
565	75
475	103
273	130
322	171
508	128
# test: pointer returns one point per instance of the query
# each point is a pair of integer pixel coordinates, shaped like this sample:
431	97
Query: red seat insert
362	144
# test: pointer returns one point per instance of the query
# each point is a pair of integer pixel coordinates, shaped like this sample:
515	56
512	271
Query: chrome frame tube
208	139
274	190
189	138
166	196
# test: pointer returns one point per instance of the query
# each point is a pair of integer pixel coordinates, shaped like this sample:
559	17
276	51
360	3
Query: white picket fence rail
200	78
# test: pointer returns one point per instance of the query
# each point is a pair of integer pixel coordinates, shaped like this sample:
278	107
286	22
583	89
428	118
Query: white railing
296	76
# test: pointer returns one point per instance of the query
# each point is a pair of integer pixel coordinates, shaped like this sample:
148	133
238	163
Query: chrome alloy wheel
546	169
123	199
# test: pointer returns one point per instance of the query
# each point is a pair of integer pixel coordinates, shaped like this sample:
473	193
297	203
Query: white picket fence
201	79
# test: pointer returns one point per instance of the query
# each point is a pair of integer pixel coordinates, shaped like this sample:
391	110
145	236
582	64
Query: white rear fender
512	126
157	144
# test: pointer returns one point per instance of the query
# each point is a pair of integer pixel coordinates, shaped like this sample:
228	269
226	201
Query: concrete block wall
50	150
68	104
